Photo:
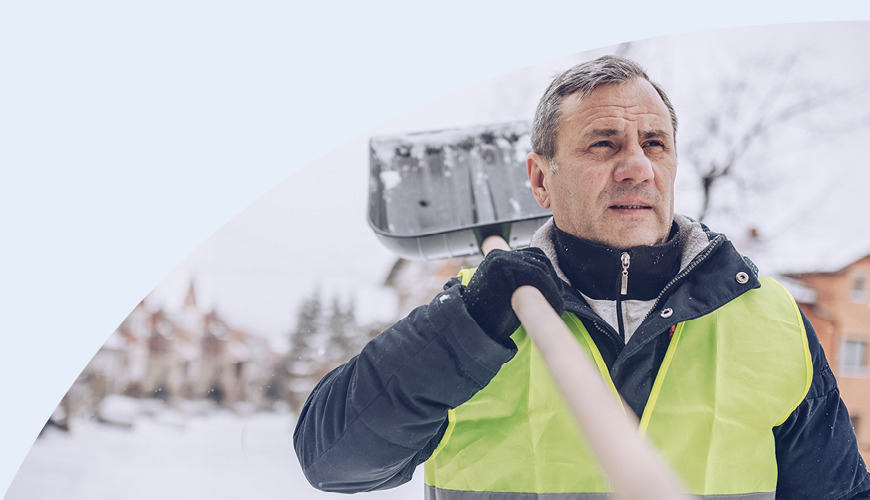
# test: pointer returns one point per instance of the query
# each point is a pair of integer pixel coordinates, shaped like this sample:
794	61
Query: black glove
487	296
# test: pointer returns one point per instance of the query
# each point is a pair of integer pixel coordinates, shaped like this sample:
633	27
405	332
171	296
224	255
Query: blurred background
196	392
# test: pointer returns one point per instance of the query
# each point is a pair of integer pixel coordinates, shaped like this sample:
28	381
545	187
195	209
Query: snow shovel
461	192
437	194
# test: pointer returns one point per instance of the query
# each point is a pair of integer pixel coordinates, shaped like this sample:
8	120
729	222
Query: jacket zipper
626	261
625	258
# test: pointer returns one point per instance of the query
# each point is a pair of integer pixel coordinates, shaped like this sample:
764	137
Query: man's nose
633	166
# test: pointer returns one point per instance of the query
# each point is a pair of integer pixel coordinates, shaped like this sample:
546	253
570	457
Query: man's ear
538	168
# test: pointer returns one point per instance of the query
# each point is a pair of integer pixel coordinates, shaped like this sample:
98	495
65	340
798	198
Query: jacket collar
604	273
695	238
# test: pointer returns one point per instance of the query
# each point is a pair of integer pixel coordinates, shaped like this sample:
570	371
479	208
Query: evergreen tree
323	339
344	332
308	347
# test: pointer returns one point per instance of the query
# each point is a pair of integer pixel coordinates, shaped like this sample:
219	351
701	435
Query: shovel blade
438	194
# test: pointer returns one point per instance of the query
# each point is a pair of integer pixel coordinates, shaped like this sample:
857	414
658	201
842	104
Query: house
417	282
838	306
185	354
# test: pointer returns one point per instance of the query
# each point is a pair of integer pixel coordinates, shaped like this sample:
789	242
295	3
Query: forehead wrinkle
602	119
601	132
651	134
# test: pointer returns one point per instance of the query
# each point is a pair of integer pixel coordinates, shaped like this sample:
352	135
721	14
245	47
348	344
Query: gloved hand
487	296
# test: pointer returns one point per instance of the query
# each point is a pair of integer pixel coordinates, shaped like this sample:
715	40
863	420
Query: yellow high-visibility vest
727	379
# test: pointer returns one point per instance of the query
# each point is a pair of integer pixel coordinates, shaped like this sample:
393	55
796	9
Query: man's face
616	163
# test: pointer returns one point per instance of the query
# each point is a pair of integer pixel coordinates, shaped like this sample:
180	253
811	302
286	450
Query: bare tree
764	99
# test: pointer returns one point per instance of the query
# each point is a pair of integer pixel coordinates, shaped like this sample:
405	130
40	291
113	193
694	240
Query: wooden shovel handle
630	462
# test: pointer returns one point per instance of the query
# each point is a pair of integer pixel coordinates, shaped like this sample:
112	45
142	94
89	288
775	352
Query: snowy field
220	455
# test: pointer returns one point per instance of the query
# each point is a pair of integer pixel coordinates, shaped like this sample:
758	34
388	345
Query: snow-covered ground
168	454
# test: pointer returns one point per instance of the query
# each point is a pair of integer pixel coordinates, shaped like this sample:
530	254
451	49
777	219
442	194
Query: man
726	375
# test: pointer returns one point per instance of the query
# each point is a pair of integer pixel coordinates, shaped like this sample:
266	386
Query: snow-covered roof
834	263
801	293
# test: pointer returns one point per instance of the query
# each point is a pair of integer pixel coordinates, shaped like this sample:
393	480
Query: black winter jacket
369	423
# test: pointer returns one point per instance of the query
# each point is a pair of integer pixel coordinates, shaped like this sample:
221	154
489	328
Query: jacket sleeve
370	422
816	449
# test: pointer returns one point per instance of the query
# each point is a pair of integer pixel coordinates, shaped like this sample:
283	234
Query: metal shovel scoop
461	192
439	194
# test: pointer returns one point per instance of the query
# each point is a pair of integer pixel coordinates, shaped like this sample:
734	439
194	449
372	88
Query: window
853	358
859	289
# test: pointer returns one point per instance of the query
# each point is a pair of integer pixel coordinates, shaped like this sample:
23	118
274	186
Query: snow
384	146
118	410
390	179
216	455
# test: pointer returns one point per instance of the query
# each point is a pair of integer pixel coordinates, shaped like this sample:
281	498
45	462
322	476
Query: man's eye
654	144
602	144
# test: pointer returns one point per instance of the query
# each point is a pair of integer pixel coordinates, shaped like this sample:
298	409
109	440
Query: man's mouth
630	207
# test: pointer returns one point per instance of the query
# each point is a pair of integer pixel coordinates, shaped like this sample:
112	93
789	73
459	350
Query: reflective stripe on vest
726	380
433	493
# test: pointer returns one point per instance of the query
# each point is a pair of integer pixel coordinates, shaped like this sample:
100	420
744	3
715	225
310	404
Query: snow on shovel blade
437	194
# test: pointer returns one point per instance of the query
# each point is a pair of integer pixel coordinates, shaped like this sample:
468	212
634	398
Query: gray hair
583	79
